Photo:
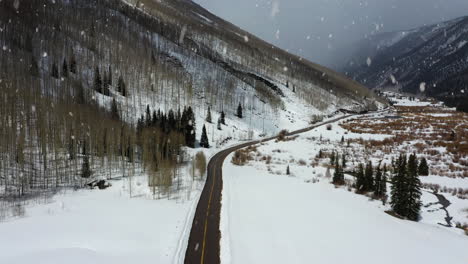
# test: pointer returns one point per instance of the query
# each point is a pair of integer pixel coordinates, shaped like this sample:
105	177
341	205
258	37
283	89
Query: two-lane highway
204	241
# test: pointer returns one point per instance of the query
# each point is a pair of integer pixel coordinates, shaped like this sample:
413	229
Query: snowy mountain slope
436	55
178	36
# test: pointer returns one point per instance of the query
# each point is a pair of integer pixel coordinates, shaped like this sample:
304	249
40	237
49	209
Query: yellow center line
207	213
213	170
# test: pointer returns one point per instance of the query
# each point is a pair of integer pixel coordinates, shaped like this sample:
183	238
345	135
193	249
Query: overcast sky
315	28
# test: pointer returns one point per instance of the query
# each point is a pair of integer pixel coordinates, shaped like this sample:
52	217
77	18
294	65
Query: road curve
204	240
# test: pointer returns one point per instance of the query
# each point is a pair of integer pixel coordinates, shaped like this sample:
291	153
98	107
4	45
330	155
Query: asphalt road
204	241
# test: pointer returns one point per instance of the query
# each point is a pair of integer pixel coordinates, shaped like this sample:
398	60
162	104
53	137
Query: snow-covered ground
270	217
92	226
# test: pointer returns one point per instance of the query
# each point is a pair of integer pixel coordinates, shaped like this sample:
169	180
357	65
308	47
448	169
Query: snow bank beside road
96	227
281	219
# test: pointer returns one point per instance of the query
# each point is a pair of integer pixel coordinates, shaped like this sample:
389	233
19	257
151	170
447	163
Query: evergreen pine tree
109	76
73	64
105	85
190	125
55	72
343	161
85	168
121	87
148	119
332	158
114	110
64	69
84	149
97	81
360	180
288	172
208	115
383	182
378	182
204	139
413	201
219	123
223	118
33	68
239	111
338	176
412	165
399	187
423	168
369	178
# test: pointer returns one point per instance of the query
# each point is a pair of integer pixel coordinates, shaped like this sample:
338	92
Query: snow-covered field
99	227
270	217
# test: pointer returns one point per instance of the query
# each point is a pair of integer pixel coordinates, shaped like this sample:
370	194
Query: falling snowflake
275	9
422	87
4	47
70	113
16	4
285	69
277	35
394	81
369	61
246	38
44	54
182	34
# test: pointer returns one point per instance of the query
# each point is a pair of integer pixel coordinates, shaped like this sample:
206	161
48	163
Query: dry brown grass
428	131
242	156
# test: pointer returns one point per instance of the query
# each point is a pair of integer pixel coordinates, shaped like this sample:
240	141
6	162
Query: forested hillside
109	85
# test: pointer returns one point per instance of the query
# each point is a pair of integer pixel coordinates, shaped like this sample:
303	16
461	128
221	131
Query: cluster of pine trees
369	181
102	84
406	186
172	122
338	176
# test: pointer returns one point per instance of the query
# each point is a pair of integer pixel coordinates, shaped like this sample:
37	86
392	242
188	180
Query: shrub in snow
282	135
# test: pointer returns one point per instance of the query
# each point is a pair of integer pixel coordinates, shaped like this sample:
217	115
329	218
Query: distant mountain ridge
434	57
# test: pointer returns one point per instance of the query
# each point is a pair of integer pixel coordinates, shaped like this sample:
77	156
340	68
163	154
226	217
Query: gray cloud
316	29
